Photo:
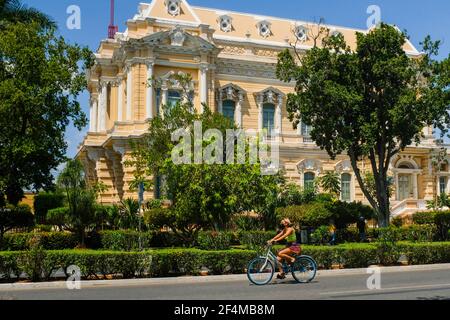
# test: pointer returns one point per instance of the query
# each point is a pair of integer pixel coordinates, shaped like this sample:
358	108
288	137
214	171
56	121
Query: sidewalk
205	279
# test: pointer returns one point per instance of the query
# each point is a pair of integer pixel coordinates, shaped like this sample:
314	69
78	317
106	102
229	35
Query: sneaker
281	276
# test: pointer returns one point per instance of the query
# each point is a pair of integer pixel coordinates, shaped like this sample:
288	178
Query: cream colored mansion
231	57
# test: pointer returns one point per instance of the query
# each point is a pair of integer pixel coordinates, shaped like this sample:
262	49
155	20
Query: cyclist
292	247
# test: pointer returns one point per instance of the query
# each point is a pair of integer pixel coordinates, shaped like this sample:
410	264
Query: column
238	111
93	115
129	91
278	115
149	91
220	102
203	85
102	107
164	98
260	102
120	100
396	186
415	187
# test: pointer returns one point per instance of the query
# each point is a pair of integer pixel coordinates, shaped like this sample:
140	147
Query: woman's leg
287	254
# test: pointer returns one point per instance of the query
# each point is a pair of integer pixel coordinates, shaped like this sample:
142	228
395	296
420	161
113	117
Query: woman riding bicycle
292	247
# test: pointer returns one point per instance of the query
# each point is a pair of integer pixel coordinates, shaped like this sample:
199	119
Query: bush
47	240
429	253
45	201
346	213
442	221
423	218
164	239
247	222
125	240
358	256
418	233
321	235
387	245
212	240
312	214
58	217
255	239
350	234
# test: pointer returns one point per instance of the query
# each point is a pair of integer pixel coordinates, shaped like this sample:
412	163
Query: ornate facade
231	57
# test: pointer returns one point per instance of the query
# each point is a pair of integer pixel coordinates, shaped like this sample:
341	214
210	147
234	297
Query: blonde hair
287	221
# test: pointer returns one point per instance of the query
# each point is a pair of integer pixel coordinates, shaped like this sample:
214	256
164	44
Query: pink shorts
295	247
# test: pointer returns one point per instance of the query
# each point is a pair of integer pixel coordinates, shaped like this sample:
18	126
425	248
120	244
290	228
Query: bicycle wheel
304	269
260	271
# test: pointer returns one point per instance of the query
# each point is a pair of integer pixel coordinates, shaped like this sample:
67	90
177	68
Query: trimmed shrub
350	234
45	201
47	240
125	240
422	218
255	239
418	233
357	256
427	253
212	240
442	221
165	239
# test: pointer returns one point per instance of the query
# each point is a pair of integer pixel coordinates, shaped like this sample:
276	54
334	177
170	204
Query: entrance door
404	187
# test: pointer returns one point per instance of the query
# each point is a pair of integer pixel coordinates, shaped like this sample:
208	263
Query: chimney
112	29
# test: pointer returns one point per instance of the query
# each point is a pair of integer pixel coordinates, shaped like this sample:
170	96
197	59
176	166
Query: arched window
309	180
346	180
228	107
269	117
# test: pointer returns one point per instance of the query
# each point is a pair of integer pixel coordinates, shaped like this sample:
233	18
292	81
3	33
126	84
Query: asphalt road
422	284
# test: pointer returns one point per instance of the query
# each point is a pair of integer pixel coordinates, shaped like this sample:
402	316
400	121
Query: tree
13	11
40	78
203	195
371	102
331	182
81	199
14	217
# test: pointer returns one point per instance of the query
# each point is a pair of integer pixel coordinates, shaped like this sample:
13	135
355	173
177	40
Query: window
309	181
346	179
173	7
306	130
264	28
225	23
173	97
442	185
269	117
301	33
228	108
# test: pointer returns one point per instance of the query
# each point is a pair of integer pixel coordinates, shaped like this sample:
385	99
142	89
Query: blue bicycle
260	270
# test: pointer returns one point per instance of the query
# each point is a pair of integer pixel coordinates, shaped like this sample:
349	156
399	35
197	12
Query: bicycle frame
269	256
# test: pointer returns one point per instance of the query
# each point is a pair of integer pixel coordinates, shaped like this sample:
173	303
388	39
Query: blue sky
418	17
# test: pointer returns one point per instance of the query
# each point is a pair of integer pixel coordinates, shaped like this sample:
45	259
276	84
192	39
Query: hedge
41	264
48	240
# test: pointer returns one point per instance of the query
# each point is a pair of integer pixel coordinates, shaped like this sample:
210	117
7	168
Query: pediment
176	38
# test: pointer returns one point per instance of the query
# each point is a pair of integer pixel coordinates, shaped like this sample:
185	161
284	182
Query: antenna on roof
112	29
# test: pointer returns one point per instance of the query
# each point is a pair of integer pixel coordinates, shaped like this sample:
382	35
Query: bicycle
303	270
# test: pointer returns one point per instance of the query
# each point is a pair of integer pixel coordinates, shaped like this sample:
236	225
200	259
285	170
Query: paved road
424	282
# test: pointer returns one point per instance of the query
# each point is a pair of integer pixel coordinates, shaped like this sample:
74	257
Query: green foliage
80	198
442	221
13	11
46	240
58	217
245	222
255	239
129	214
387	245
423	218
313	214
346	213
125	240
45	201
14	217
213	240
41	76
321	235
331	182
397	222
203	195
370	101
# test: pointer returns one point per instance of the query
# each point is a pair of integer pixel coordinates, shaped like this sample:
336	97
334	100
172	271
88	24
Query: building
231	57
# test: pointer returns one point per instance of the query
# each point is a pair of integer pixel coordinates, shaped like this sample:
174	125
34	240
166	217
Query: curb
204	279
